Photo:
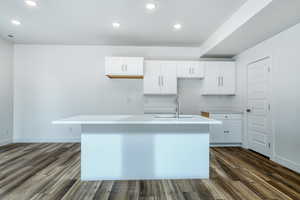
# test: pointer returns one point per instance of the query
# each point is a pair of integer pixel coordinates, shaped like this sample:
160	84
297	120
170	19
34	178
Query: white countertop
224	111
136	119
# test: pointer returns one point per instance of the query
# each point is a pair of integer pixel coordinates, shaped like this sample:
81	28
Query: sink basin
173	116
186	116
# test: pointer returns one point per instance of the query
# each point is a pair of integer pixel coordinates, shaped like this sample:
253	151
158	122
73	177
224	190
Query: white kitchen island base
144	152
143	147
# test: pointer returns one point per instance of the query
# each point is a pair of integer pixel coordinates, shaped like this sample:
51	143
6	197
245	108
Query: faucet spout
177	107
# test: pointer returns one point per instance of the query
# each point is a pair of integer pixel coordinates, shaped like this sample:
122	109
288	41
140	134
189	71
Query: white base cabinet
230	132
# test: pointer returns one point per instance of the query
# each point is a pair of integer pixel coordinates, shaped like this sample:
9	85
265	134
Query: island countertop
136	119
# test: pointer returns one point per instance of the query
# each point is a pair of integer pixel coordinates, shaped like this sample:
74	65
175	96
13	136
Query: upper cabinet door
228	78
183	70
124	67
190	69
114	66
197	69
169	78
132	66
152	77
212	78
220	78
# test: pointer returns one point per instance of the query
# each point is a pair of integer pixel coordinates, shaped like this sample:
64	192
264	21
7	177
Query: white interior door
259	115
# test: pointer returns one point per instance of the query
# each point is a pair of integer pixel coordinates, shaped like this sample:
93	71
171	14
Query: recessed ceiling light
150	6
31	3
15	22
116	25
177	26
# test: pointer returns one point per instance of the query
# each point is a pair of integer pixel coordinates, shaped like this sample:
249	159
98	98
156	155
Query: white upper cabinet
190	69
220	78
124	67
168	78
160	78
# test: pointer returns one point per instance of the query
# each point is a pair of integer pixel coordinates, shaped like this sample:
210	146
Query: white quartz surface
135	119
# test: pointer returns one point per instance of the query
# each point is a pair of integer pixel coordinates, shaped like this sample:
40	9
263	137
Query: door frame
272	138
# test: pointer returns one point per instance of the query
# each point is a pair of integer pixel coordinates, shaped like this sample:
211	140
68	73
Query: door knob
248	110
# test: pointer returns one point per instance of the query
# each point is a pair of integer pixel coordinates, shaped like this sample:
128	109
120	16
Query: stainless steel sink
173	116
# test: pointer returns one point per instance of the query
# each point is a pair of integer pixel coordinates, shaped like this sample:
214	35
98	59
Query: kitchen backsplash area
191	100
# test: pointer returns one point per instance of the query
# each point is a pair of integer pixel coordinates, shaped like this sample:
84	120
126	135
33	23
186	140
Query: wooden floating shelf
124	77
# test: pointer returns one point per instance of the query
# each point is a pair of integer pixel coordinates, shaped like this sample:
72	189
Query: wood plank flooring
52	171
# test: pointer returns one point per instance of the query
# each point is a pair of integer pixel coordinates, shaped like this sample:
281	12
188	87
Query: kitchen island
126	147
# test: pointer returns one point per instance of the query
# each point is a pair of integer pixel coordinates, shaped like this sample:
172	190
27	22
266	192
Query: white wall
53	82
284	50
6	92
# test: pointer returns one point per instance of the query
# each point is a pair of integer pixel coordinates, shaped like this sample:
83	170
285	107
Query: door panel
152	78
258	123
169	78
212	77
216	133
117	67
258	107
198	69
183	70
233	131
259	117
227	73
131	67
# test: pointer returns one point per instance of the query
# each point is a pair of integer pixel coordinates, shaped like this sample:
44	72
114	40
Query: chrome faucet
177	106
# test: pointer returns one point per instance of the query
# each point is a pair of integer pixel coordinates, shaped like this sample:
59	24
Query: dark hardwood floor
52	171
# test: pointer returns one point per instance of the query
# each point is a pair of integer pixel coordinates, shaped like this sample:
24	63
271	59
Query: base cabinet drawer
229	132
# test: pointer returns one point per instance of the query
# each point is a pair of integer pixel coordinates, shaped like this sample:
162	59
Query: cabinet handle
218	80
222	81
122	68
189	70
192	69
162	80
158	80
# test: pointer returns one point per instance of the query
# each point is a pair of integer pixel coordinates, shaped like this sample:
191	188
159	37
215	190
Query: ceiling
90	22
276	17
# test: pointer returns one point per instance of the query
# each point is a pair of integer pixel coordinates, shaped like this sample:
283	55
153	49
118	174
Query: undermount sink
173	116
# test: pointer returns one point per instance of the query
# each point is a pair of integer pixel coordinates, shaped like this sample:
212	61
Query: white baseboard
287	163
47	140
5	141
225	145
